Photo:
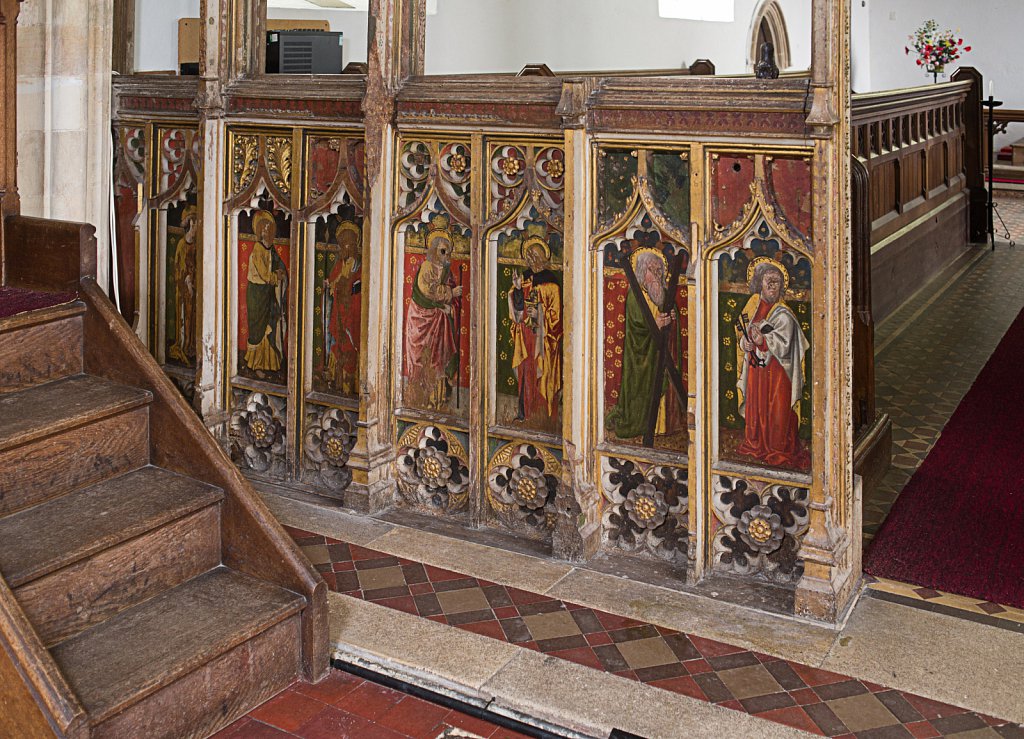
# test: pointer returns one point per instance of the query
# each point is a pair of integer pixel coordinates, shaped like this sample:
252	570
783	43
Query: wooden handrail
253	541
38	700
874	106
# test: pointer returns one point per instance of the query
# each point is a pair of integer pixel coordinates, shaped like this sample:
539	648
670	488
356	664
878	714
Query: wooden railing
921	150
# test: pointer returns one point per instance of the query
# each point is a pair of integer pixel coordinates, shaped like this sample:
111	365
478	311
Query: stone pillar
64	66
832	547
213	69
395	53
577	534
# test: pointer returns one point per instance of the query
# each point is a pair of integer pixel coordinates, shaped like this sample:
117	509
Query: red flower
967	48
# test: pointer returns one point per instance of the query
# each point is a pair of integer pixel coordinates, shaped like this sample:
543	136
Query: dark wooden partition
913	143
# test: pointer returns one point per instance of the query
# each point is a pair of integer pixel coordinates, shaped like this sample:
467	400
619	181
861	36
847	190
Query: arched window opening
769	26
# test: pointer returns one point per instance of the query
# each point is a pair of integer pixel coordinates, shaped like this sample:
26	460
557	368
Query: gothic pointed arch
769	24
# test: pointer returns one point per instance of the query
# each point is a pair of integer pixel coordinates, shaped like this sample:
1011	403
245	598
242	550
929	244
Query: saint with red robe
771	379
431	348
344	283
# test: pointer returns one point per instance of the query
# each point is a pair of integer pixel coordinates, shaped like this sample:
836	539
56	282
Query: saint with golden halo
344	285
431	340
535	310
770	385
265	298
640	351
183	348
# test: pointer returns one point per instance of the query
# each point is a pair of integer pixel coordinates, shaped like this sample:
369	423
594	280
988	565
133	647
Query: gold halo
346	226
768	260
437	234
537	241
258	218
649	249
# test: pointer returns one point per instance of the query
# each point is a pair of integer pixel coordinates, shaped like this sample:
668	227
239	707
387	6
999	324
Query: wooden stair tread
61	531
43	315
37	412
130	656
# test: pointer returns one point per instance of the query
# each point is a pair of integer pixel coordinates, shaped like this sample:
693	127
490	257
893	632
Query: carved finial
766	68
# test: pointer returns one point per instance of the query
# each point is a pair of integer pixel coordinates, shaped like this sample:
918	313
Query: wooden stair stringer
252	540
46	698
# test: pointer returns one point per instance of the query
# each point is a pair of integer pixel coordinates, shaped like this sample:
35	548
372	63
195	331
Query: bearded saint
265	296
629	418
771	379
535	306
431	348
345	315
184	347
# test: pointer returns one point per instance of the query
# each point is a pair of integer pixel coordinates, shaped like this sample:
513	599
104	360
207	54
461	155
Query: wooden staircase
146	591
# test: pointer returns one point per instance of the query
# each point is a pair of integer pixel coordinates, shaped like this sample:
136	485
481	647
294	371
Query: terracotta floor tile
371	701
931	709
486	628
404	603
332	689
815	677
470	723
611	622
333	723
684	685
793	716
598	638
415	717
437	574
581	656
922	730
288	711
711	648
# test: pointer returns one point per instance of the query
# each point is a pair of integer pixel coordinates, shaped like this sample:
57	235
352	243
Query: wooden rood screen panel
486	418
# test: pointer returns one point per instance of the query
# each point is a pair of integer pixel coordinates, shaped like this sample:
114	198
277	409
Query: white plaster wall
991	27
156	32
64	147
860	45
504	35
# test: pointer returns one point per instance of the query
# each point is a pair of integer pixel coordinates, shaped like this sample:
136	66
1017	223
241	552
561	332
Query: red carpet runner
958	526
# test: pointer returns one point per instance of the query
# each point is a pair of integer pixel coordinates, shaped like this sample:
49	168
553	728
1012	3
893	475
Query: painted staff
457	306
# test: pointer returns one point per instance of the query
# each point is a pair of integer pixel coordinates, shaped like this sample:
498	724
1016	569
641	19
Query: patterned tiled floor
817	701
930	351
346	707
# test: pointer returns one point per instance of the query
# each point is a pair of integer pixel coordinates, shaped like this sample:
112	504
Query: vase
935	70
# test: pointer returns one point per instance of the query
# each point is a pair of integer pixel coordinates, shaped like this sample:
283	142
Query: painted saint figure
431	344
184	347
344	315
265	298
535	307
771	379
628	419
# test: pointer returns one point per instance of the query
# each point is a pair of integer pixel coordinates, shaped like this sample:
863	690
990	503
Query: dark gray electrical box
304	52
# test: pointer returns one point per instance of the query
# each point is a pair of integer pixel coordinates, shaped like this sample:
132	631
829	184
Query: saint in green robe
628	419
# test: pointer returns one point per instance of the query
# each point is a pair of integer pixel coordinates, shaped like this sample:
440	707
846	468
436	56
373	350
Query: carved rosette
522	483
647	508
327	446
761	526
433	469
258	439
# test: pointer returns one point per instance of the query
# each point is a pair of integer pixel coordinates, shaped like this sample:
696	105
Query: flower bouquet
935	49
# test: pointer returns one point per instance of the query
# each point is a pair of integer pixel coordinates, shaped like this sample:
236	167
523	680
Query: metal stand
991	104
